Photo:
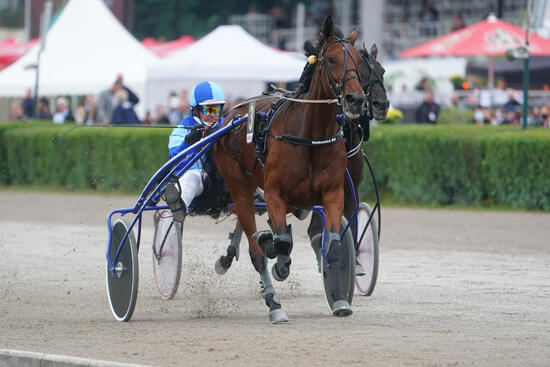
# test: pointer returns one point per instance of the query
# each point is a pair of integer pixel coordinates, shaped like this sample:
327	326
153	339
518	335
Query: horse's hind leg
315	234
224	262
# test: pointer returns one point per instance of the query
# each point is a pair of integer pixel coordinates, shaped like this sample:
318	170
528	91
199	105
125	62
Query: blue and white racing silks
176	142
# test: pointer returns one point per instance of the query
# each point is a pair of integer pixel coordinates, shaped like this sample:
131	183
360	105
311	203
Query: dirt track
455	288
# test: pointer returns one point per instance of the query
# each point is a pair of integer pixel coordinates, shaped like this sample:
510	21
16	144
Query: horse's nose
380	104
354	99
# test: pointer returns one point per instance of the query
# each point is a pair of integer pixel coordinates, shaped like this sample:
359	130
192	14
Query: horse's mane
312	49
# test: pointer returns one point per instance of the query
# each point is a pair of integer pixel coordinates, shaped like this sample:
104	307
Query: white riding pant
192	185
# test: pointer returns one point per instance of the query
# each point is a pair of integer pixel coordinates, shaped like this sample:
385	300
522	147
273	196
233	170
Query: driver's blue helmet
206	93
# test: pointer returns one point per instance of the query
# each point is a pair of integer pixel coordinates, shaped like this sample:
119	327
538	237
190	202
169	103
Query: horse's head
372	81
339	60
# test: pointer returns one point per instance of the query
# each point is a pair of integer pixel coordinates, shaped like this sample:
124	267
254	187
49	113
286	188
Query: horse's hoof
277	316
341	309
218	267
280	275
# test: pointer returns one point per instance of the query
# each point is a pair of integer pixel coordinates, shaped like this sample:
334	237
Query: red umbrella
491	37
11	50
163	49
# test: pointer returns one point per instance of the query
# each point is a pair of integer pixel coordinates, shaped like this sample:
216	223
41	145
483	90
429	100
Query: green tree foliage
174	18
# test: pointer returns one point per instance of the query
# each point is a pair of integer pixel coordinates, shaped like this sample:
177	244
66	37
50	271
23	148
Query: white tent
409	71
228	56
85	49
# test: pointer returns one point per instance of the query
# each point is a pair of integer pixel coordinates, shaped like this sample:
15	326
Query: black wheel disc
347	268
122	284
167	254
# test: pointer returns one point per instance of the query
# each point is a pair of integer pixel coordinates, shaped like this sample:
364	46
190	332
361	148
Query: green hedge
88	158
466	165
453	164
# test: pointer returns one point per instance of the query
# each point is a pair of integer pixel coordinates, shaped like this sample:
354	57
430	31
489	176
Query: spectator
511	110
80	112
105	103
147	118
43	108
161	117
132	97
124	111
174	111
90	107
424	84
428	12
279	41
62	112
28	105
482	116
545	116
184	106
458	22
106	99
427	112
403	98
16	111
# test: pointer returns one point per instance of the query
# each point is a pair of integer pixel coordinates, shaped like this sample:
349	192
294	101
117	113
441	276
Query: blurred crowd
115	105
497	106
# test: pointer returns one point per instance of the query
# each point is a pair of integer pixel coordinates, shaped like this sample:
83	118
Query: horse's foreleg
333	206
272	300
282	236
245	211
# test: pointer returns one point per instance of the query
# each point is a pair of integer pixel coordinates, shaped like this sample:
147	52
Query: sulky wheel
367	255
167	254
122	283
347	268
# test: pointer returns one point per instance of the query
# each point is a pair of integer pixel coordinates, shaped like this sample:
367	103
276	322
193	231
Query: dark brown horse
357	132
304	164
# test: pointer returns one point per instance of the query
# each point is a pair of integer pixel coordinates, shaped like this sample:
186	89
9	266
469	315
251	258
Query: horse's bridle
373	79
343	79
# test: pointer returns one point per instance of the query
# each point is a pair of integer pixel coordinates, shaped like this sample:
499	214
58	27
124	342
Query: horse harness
373	79
263	120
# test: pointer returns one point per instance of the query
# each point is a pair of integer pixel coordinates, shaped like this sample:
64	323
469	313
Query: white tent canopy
228	56
409	71
86	48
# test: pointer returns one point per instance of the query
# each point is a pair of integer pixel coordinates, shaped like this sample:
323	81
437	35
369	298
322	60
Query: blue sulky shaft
175	167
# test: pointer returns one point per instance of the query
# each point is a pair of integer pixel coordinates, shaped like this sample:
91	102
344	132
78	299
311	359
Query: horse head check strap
343	79
373	79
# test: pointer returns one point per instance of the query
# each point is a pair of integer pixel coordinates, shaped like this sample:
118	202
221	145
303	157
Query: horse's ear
352	37
374	50
328	27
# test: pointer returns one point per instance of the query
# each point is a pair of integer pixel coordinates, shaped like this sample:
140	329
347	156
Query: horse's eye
331	60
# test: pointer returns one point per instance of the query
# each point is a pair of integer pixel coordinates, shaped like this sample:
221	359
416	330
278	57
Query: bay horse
356	132
303	165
